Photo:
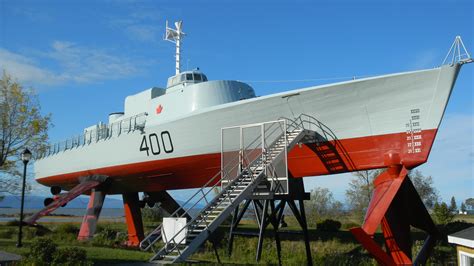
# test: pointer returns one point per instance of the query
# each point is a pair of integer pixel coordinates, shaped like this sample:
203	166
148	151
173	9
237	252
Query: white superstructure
172	136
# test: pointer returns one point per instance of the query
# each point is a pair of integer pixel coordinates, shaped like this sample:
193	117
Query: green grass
327	248
94	254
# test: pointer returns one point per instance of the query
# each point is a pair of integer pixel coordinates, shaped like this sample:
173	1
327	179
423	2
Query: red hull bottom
194	171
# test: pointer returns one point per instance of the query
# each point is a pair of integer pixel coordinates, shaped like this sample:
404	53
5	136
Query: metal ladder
199	228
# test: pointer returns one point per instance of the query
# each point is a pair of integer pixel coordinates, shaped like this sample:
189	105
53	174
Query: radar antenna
175	36
456	54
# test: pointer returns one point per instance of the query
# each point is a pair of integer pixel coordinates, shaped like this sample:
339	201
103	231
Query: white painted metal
174	227
245	144
218	209
458	55
175	36
356	108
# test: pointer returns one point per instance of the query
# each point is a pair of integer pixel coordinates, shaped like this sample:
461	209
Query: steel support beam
167	202
395	205
263	225
133	218
94	207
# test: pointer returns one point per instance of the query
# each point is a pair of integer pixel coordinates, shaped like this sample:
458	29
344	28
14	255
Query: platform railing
101	132
267	133
197	198
311	123
245	163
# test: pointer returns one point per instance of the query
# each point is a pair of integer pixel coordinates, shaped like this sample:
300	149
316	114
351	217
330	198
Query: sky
84	57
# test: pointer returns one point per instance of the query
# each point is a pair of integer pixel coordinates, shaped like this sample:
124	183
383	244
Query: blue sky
85	57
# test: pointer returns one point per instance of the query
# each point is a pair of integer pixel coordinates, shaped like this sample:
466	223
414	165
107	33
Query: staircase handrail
304	118
204	194
271	164
175	245
265	133
181	208
222	196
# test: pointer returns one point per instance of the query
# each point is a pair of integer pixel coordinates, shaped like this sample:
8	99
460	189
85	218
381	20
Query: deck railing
99	133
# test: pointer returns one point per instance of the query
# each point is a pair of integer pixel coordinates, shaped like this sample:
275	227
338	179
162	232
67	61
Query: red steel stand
395	205
64	198
89	223
133	219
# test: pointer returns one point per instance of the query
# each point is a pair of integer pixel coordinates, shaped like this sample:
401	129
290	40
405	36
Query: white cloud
25	69
142	32
71	63
140	25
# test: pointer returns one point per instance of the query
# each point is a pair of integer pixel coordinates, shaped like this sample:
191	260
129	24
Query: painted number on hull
154	144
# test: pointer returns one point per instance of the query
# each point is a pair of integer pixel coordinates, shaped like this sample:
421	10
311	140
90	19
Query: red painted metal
194	171
386	187
159	109
368	243
133	219
63	199
89	223
395	205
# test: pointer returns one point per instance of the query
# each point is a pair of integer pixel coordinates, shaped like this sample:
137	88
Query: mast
175	36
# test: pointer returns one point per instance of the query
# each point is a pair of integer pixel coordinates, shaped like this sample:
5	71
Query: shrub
12	223
70	256
350	225
456	226
106	236
442	213
42	250
30	232
153	214
67	229
329	225
7	233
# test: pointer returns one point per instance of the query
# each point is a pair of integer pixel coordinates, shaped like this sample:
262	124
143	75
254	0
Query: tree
470	203
152	214
453	206
425	188
442	214
463	207
361	187
322	203
360	190
21	125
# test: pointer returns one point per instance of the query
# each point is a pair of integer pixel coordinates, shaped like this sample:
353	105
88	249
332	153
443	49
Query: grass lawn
327	248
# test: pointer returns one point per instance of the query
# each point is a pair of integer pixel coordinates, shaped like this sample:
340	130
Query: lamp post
25	157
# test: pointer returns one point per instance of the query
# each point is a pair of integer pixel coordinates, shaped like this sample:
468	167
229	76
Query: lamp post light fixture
25	157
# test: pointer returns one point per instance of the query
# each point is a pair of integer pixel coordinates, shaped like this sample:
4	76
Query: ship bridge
186	77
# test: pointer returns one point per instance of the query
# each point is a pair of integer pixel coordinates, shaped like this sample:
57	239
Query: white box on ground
171	226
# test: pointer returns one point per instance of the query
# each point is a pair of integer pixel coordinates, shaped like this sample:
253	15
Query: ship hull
373	117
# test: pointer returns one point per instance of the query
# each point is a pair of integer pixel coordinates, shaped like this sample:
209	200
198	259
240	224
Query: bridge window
204	78
189	76
197	77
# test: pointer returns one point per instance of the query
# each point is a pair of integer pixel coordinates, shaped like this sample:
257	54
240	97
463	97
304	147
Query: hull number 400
154	144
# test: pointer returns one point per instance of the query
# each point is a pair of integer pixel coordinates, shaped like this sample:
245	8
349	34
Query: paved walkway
8	257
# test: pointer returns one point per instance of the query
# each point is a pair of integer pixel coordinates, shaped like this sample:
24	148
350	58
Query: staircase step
177	250
233	188
334	163
326	151
332	158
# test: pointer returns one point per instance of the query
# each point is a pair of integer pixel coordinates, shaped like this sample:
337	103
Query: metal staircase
239	178
327	146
